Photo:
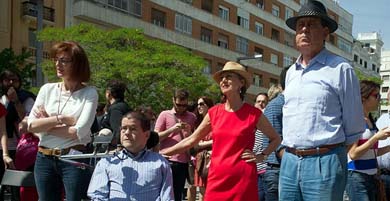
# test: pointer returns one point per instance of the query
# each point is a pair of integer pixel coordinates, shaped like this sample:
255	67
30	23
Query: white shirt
80	104
384	160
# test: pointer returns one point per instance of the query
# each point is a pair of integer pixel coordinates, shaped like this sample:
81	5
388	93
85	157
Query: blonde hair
274	91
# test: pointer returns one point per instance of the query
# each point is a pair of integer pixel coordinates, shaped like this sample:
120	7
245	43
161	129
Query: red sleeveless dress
230	177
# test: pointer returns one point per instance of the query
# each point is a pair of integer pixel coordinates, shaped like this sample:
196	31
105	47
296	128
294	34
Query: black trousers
179	175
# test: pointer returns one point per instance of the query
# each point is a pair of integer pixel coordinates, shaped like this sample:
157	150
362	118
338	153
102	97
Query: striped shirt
367	162
257	149
143	177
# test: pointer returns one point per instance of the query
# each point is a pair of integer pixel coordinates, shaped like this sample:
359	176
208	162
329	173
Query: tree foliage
17	63
362	76
151	68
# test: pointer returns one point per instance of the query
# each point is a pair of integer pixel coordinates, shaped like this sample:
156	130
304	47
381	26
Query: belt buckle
56	152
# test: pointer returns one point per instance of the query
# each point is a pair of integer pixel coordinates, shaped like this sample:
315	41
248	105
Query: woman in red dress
232	174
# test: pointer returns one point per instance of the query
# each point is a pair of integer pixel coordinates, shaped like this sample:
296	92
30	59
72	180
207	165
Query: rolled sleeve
85	121
352	114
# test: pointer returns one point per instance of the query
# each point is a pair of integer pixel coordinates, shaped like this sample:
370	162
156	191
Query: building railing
30	8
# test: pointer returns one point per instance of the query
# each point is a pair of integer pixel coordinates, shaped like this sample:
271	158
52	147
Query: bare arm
274	141
8	162
203	129
164	134
357	151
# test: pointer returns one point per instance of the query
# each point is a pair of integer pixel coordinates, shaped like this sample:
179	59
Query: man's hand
8	162
12	95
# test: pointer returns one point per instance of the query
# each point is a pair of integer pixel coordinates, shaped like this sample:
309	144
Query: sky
370	16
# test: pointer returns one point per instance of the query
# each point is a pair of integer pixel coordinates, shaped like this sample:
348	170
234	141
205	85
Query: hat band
311	13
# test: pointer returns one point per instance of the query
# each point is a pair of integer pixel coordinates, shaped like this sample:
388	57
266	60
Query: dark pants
386	179
271	184
361	186
179	175
50	173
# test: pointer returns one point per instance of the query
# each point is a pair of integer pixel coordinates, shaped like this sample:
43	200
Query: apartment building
217	30
367	53
385	75
18	23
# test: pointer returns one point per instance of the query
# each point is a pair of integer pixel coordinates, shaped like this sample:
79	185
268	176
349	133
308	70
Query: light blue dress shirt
322	103
144	177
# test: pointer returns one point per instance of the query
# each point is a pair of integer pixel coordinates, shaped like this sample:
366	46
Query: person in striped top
362	162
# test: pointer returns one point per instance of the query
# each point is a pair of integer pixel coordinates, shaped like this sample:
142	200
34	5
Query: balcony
30	12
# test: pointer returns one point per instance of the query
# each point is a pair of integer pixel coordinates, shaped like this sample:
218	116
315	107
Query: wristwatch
265	156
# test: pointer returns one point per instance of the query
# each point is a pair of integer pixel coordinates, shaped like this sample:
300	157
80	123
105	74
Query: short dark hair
117	89
282	77
145	122
80	63
6	74
181	94
261	93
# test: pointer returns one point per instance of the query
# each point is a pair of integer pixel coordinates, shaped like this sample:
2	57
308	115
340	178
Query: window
273	81
302	2
32	38
385	77
361	62
223	41
223	12
207	68
365	64
243	22
275	10
257	80
259	28
344	45
121	4
289	39
275	34
135	7
258	51
287	60
242	45
385	89
206	35
183	23
355	57
274	59
158	17
260	4
207	5
187	1
373	67
288	13
220	66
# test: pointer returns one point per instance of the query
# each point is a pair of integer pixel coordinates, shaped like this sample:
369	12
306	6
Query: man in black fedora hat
322	114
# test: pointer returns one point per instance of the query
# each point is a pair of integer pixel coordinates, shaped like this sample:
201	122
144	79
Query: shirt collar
319	58
124	152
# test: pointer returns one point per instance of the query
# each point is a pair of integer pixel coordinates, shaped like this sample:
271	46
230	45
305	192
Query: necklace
59	101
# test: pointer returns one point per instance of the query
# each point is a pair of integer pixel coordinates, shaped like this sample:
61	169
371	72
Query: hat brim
329	22
247	76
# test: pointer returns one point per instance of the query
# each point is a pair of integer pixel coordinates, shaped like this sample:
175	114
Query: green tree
17	63
151	68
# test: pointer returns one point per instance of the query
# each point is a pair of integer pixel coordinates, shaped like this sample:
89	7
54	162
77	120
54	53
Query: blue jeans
50	173
260	186
317	177
271	184
361	187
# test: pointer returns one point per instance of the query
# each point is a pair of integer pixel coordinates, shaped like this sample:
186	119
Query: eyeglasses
62	61
201	104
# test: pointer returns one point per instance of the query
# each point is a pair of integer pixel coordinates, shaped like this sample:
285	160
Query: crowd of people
311	137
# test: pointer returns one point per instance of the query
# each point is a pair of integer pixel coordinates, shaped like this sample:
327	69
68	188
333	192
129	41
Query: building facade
367	50
217	30
18	23
385	75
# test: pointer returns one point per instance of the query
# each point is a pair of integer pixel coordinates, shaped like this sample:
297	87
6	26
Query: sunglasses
201	104
181	105
376	95
62	61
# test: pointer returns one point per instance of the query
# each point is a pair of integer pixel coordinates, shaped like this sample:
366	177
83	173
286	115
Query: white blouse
80	104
